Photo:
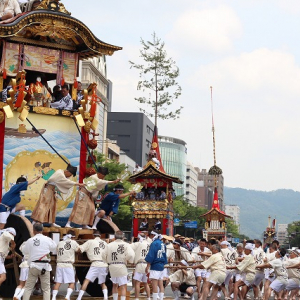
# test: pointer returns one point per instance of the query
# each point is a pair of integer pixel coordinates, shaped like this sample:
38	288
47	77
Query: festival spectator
8	9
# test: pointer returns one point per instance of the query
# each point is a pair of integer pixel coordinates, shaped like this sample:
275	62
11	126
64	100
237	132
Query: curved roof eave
91	45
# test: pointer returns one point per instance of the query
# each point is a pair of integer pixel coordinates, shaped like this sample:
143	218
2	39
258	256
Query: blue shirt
12	197
110	203
157	256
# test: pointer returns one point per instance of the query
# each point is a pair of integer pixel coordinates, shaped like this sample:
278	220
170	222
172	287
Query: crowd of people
193	269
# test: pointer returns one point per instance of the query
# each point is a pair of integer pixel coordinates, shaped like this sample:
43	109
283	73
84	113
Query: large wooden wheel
107	227
24	231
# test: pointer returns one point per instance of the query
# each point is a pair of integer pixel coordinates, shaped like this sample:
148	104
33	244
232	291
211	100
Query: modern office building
206	185
282	233
234	212
174	159
191	184
133	132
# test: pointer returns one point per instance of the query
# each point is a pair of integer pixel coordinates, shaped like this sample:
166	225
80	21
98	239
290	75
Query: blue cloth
12	197
157	255
110	203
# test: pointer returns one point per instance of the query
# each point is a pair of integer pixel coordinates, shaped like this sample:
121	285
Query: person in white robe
24	269
83	212
38	249
7	243
66	102
141	249
95	250
65	272
45	209
118	254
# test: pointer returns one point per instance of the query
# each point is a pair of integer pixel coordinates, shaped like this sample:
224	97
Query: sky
248	51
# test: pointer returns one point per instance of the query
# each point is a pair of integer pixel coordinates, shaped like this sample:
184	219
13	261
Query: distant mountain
256	206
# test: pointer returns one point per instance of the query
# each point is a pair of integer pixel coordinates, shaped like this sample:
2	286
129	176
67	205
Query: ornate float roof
53	27
216	207
150	171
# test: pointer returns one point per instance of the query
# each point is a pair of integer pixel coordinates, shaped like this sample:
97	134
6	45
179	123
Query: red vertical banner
165	226
83	151
135	226
2	134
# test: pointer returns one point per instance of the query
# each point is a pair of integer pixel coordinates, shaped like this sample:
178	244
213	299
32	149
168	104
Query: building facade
234	212
133	132
282	233
174	159
206	185
191	184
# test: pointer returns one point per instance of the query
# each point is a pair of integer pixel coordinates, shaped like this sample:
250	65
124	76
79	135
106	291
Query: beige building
206	185
234	212
282	233
191	184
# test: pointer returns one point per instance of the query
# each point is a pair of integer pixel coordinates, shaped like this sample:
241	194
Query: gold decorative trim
53	5
42	44
46	111
78	29
2	104
66	113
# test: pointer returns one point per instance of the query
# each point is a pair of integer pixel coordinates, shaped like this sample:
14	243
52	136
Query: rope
36	130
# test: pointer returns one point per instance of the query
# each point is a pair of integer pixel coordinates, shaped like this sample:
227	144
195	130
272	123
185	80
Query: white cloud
256	102
209	29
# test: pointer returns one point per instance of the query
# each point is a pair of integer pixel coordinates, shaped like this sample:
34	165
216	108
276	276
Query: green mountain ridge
257	206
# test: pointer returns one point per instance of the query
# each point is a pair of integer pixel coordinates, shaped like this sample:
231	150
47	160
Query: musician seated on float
8	9
162	195
144	225
66	102
140	195
56	95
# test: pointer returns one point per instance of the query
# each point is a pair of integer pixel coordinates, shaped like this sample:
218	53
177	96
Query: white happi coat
62	183
179	276
24	263
5	239
259	256
140	249
117	255
66	253
100	185
95	250
38	248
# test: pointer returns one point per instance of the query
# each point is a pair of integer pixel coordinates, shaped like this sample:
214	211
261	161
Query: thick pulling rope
36	130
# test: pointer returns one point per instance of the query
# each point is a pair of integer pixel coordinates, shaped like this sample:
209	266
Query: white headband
67	236
184	262
11	230
158	236
141	238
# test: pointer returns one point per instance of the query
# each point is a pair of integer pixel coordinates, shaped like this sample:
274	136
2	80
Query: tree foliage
158	75
124	217
187	212
293	236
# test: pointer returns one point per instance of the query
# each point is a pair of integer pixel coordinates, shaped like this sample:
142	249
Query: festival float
215	218
155	201
270	232
45	44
